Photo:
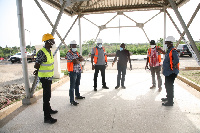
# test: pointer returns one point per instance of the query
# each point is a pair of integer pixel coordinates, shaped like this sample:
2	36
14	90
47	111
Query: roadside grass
193	75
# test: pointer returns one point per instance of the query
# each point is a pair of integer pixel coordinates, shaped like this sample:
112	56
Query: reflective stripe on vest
171	62
70	65
47	68
159	56
96	55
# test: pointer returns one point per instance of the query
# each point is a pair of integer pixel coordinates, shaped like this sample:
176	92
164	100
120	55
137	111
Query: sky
36	25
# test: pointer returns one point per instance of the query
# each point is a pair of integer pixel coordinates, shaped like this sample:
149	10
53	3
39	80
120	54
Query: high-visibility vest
96	55
149	52
70	64
47	68
170	59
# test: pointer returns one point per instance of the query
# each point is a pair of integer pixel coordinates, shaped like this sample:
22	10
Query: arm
160	50
72	58
147	62
81	58
92	57
175	58
129	60
39	60
114	59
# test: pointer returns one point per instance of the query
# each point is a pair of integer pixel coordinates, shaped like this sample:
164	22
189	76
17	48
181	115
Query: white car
18	57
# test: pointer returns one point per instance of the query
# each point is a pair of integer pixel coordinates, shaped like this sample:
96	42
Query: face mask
74	49
100	46
121	49
153	46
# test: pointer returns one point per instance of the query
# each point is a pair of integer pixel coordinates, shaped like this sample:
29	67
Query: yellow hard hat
47	37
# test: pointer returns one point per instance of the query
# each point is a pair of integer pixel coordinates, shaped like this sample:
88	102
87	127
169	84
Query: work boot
50	120
117	87
123	87
168	103
74	103
53	112
80	97
105	87
164	99
153	87
95	88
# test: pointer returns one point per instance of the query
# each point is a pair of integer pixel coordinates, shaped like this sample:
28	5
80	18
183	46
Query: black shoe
117	87
168	104
80	97
123	87
53	111
105	87
50	120
74	103
95	89
164	99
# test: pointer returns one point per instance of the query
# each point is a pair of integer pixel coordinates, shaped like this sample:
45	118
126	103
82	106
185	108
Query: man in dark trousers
45	70
154	61
99	57
74	69
124	57
170	70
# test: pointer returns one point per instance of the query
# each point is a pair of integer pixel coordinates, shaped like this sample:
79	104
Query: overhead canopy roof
74	7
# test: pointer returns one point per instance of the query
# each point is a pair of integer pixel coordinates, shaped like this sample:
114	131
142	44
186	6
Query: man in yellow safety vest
45	70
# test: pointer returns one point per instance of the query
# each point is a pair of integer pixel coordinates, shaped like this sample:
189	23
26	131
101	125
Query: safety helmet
99	40
47	37
73	42
170	38
152	42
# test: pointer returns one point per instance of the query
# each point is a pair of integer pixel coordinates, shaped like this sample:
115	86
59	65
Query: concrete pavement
134	109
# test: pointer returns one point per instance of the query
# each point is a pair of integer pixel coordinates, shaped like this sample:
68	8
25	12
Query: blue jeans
74	84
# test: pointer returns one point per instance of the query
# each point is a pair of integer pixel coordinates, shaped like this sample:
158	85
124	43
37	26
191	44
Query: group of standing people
45	69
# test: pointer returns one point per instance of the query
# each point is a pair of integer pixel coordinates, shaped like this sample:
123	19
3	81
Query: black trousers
97	69
46	85
169	85
121	71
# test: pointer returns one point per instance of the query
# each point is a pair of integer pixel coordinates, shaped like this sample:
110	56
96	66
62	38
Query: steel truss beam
175	8
140	25
188	25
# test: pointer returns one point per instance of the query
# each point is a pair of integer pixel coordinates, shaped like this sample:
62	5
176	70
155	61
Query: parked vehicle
183	50
18	58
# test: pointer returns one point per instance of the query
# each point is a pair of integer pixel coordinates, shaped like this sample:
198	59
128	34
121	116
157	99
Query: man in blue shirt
170	70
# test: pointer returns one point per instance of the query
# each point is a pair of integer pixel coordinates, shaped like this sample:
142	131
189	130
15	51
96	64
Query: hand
35	72
113	64
146	67
93	67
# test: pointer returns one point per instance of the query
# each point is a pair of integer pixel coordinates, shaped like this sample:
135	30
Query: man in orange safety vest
99	57
154	61
170	70
74	70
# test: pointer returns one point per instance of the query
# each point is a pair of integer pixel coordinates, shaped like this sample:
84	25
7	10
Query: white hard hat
73	42
170	38
99	40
